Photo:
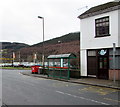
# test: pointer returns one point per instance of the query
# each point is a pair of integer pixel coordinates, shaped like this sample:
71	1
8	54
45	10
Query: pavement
86	81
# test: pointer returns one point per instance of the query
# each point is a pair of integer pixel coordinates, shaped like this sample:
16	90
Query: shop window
105	63
101	63
117	59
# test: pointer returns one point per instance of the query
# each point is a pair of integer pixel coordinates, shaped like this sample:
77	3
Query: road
18	89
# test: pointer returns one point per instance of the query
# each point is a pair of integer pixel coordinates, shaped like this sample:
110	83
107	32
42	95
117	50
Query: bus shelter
59	65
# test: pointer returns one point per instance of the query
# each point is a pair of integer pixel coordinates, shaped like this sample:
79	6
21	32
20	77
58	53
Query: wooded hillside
70	43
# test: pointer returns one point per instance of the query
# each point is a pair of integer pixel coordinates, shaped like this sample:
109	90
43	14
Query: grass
17	68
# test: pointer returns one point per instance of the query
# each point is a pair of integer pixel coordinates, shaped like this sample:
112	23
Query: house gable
104	8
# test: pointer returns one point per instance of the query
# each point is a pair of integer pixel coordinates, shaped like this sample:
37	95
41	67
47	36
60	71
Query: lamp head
40	17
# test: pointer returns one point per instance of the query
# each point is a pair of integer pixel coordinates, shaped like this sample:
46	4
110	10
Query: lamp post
43	44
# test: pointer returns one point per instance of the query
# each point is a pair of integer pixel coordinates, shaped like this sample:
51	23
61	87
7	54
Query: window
92	53
102	27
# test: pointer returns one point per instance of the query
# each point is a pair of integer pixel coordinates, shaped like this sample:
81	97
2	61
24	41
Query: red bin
35	69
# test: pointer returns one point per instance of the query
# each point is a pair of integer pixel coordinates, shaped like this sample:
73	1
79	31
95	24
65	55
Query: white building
100	28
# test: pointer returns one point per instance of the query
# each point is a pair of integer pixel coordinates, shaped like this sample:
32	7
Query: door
103	67
92	66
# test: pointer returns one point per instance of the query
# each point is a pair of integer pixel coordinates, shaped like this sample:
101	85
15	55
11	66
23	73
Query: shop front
100	63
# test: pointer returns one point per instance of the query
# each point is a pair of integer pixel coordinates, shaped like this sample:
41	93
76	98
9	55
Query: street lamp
43	44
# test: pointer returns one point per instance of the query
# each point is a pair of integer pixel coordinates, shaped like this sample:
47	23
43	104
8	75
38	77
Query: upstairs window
102	27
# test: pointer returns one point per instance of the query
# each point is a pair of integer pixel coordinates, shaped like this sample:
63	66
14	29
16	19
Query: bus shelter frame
60	69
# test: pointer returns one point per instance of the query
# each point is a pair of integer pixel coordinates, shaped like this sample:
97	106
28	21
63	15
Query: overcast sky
19	20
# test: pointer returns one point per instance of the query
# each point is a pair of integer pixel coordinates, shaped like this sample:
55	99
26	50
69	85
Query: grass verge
17	68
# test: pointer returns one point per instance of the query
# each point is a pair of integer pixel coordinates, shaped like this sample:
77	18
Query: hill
70	43
13	45
9	47
64	39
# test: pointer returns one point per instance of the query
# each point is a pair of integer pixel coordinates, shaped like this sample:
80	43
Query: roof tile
110	6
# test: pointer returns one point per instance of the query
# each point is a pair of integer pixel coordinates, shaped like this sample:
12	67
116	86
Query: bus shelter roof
60	56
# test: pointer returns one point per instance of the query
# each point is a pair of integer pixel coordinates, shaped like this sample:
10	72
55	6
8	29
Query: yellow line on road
111	100
63	84
98	90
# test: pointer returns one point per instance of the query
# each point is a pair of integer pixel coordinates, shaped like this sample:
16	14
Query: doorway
98	63
103	67
92	66
91	63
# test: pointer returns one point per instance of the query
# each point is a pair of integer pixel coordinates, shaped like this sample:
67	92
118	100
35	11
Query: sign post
13	56
114	50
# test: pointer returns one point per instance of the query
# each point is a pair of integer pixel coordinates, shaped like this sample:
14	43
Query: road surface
18	89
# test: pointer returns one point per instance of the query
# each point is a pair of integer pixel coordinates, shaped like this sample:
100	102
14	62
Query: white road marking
82	98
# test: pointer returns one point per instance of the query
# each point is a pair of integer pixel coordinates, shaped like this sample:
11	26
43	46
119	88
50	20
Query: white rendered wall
88	40
119	28
83	66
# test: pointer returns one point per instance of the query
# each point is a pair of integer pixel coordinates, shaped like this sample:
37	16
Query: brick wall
111	74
